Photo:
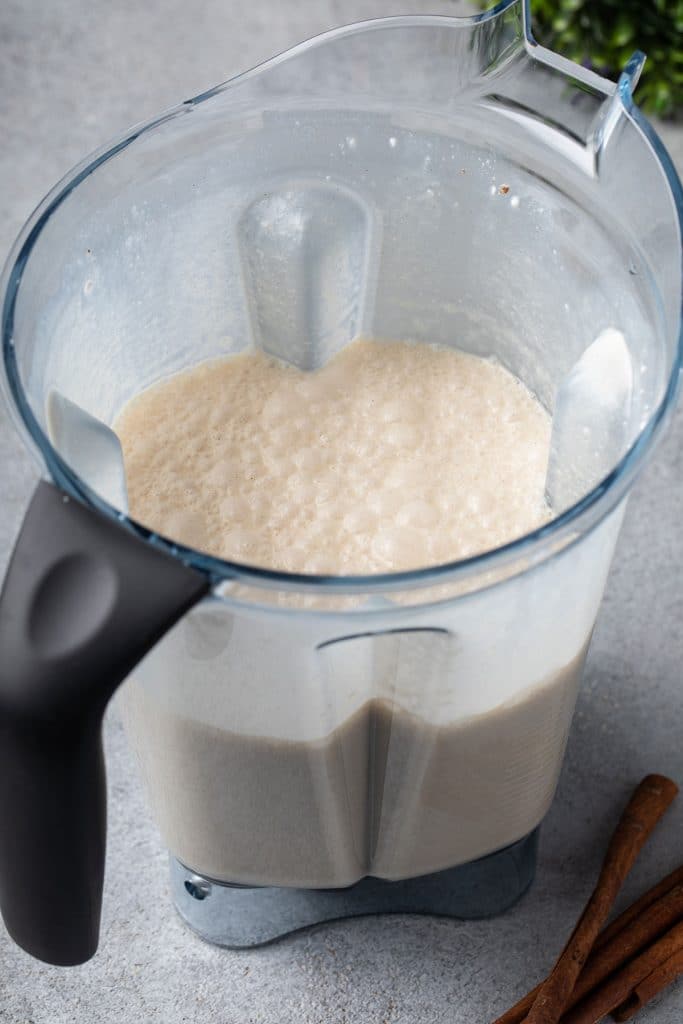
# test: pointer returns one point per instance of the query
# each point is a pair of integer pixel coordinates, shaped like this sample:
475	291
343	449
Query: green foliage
602	34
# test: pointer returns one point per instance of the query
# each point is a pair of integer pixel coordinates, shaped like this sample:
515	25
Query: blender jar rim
535	546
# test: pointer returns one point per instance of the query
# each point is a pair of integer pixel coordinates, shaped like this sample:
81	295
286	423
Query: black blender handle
83	600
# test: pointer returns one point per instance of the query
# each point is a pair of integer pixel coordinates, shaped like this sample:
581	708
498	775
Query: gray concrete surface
73	73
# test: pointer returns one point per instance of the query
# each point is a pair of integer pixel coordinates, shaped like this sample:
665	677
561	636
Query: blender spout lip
630	76
616	106
526	23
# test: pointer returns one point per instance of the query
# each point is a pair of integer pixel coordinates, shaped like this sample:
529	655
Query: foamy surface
393	456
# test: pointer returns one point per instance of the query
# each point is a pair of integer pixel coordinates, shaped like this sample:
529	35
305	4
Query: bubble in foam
398	544
360	520
238	538
402	435
417	513
275	409
391	412
386	502
188	526
309	459
234	509
221	475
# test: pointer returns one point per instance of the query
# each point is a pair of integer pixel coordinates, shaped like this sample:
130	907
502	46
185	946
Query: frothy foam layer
393	456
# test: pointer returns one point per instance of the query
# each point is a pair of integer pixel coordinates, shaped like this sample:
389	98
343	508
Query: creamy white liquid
272	759
393	456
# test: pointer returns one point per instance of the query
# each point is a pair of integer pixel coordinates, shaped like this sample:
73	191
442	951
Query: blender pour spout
565	105
621	100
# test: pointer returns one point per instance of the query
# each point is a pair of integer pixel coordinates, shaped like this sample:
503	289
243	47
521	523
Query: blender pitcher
315	746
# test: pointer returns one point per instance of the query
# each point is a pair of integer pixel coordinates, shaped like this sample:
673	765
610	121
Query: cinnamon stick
644	921
625	982
645	808
661	978
643	931
637	908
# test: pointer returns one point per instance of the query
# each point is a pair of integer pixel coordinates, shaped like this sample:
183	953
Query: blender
437	179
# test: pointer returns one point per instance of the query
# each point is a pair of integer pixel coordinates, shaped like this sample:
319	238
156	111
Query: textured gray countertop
72	74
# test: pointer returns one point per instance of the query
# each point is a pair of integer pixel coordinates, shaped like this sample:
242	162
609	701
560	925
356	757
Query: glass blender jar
315	747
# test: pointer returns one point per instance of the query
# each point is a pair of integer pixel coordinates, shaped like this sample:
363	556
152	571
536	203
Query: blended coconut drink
393	456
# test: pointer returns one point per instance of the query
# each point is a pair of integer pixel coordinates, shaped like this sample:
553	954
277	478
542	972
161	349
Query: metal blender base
239	917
